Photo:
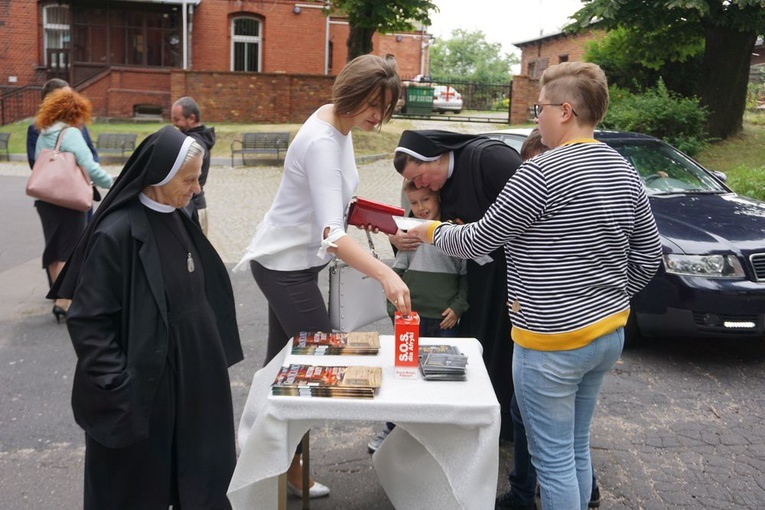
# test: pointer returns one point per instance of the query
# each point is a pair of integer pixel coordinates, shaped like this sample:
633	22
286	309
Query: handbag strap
371	248
57	148
371	245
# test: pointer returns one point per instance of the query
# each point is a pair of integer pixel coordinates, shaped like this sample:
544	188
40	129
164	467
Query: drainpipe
191	35
184	20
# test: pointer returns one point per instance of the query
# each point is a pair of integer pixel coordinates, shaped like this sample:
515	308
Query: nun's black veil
427	144
149	164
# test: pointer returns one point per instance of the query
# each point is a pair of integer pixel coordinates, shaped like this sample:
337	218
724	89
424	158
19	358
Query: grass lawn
741	157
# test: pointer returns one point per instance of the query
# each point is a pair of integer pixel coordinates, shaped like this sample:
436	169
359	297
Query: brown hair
63	105
364	77
533	145
582	84
401	159
53	84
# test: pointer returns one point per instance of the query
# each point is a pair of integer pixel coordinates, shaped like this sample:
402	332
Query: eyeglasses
538	108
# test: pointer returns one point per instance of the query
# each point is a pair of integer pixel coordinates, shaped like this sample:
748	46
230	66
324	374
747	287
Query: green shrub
660	113
502	105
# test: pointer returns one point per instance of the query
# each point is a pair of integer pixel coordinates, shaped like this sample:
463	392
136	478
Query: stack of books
335	382
319	343
442	363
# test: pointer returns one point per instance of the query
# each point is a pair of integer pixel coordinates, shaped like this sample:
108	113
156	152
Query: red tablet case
364	212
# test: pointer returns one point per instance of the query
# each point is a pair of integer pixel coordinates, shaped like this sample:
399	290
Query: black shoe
59	313
594	497
375	443
509	501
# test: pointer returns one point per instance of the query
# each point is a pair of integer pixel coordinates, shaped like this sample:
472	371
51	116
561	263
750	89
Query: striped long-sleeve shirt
579	237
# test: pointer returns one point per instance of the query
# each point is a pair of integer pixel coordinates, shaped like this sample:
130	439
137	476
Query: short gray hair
189	107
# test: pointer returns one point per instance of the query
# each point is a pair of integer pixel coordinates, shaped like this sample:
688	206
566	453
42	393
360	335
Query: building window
55	34
245	44
149	36
536	67
562	58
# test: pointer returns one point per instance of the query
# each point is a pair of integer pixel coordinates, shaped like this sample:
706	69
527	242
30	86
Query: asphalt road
679	423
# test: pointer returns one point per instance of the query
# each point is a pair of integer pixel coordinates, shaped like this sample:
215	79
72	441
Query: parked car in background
711	282
446	99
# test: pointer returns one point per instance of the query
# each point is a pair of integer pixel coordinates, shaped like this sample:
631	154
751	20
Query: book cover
333	381
319	343
363	212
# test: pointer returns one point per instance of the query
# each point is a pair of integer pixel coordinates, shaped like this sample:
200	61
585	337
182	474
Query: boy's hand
449	319
402	241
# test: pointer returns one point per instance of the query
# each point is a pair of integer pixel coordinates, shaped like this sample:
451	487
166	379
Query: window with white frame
56	34
245	44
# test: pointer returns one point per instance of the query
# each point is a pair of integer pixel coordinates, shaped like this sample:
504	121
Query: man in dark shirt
186	117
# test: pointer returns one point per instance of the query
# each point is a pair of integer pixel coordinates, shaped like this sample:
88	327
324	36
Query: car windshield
665	170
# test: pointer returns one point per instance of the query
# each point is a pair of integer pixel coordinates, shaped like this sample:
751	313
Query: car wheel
632	336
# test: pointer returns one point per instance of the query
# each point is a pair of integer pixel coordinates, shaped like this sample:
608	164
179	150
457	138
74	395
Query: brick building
536	56
269	61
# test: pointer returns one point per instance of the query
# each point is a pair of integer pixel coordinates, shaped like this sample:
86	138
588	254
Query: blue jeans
523	477
430	327
556	393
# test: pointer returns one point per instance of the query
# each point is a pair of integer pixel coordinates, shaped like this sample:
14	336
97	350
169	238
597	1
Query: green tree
729	29
468	56
365	17
622	55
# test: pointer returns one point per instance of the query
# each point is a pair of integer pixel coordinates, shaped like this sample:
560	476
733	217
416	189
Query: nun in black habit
469	172
153	324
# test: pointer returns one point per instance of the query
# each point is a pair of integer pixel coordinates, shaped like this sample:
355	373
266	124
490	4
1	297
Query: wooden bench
260	143
4	137
116	143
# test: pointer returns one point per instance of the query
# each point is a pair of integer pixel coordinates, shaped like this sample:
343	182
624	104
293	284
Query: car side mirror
719	175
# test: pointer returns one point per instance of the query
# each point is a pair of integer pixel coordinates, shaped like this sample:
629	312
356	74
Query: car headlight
720	266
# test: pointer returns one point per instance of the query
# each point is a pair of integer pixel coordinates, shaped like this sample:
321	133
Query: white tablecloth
443	453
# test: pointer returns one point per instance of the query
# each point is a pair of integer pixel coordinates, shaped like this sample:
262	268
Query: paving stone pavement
679	423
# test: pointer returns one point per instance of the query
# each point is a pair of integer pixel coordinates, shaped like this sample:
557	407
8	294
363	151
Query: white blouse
320	178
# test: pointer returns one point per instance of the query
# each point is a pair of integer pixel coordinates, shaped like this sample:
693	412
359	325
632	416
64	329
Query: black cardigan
119	327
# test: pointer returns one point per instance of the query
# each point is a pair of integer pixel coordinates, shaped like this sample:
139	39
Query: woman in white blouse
305	226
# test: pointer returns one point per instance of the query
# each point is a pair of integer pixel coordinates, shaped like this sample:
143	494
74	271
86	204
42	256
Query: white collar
154	205
450	170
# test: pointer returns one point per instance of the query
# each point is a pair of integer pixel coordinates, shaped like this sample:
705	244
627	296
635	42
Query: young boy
437	282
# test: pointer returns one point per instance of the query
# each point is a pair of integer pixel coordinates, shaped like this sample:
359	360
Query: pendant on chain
190	263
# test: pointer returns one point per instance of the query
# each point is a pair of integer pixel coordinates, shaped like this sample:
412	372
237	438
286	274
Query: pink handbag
57	179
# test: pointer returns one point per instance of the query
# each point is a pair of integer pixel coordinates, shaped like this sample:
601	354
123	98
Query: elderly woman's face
182	186
429	174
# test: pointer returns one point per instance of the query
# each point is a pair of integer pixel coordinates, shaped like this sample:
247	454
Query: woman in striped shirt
580	240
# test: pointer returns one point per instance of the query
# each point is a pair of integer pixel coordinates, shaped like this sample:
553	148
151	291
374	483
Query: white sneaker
317	490
375	443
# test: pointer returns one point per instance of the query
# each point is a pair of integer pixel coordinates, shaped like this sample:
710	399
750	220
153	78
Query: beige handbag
58	180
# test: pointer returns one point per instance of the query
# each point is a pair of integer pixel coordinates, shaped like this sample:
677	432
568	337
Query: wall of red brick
259	98
291	43
525	94
555	49
291	85
20	56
